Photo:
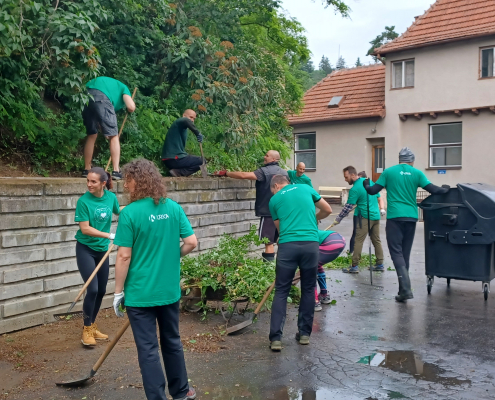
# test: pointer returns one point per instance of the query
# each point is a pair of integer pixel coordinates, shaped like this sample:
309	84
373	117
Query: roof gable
363	89
446	21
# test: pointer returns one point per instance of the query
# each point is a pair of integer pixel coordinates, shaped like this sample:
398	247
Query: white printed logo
152	217
405	173
288	190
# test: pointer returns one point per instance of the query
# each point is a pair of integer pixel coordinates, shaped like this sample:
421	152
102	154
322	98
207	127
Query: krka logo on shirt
405	173
102	214
153	218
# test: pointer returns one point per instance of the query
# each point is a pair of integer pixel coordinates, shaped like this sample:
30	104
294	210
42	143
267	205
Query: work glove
220	173
111	236
118	304
382	212
446	187
334	223
200	138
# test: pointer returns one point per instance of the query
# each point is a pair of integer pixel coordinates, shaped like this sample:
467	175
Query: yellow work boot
88	337
97	334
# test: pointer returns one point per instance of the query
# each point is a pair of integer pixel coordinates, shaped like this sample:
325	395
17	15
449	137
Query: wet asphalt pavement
366	346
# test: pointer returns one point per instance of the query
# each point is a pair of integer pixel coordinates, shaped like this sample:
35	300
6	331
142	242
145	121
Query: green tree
308	66
325	65
340	63
385	37
358	63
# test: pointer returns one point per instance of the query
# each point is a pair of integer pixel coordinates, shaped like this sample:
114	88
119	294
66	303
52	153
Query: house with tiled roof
435	93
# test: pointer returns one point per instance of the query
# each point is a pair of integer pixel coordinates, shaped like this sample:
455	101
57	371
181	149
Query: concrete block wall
38	270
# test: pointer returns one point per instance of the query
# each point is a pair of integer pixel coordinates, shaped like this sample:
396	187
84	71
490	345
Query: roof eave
380	114
384	52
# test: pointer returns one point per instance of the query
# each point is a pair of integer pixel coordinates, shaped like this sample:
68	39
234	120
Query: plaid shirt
345	212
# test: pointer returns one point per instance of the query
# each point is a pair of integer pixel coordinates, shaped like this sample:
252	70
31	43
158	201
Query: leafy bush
229	266
346	261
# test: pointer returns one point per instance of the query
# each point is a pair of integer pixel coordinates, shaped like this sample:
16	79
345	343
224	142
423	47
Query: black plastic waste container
460	234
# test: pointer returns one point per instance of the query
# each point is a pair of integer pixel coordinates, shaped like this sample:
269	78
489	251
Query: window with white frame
446	145
306	150
487	65
403	74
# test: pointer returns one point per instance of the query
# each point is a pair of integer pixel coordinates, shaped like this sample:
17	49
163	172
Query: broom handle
121	128
111	345
256	312
93	274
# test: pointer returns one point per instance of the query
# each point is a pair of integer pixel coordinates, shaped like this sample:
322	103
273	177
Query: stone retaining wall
38	271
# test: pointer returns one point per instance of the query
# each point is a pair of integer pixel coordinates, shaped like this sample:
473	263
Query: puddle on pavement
407	362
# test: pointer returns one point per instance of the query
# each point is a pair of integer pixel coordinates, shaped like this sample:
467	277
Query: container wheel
448	282
486	290
429	283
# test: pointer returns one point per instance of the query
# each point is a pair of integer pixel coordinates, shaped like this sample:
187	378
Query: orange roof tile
446	21
364	91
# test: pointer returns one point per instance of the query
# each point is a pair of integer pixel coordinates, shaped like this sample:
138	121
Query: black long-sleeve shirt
175	141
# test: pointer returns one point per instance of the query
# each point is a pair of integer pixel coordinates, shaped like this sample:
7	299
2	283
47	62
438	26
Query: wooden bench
332	194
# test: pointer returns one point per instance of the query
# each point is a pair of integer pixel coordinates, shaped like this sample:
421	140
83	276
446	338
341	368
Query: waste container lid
480	196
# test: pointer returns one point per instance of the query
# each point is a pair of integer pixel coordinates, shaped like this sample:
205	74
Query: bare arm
122	267
189	245
129	103
325	209
242	175
90	231
381	203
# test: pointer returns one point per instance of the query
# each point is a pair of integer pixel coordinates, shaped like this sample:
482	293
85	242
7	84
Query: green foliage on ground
232	61
346	261
229	266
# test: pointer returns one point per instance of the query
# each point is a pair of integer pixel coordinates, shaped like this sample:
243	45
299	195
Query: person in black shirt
263	177
174	154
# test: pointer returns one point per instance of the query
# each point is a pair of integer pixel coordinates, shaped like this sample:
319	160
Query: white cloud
326	31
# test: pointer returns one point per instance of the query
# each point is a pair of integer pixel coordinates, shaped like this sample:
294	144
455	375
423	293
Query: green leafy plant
231	268
346	261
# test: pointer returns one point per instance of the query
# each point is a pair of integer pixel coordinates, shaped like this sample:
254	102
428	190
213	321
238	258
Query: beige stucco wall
339	144
446	78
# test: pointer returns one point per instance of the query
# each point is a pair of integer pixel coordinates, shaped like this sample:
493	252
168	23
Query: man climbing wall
174	154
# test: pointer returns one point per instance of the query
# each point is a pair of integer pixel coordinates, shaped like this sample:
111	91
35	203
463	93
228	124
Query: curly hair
148	180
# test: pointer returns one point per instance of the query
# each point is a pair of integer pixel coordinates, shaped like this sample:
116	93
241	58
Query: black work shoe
116	175
403	297
85	173
175	173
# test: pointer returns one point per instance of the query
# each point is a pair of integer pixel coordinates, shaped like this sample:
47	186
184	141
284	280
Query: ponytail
104	176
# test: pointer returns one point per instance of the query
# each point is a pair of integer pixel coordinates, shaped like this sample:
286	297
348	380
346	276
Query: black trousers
87	260
290	256
355	220
187	165
143	322
400	238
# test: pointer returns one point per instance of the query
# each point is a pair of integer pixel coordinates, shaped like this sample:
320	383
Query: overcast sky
326	31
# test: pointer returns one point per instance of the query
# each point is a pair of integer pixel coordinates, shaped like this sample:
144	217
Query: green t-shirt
153	232
98	211
322	235
402	182
175	141
294	207
112	88
358	196
294	179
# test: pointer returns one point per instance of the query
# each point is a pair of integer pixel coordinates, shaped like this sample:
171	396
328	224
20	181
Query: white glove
111	236
382	212
118	303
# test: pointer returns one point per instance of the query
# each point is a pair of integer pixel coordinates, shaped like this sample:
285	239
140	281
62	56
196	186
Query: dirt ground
34	359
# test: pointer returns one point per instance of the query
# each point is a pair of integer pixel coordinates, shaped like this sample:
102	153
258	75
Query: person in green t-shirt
402	182
174	155
293	211
108	96
94	211
147	270
358	198
298	176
